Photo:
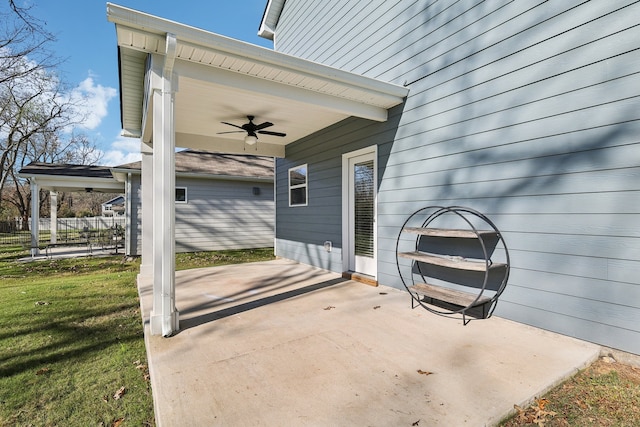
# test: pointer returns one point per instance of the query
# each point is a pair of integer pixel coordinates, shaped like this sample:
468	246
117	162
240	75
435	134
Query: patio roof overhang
77	184
71	179
221	79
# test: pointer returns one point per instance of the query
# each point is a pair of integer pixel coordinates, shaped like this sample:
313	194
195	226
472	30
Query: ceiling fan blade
263	125
266	132
231	124
231	131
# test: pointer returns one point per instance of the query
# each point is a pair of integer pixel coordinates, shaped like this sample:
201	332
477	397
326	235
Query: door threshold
359	277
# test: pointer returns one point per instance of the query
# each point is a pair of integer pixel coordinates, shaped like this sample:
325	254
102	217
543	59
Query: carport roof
67	177
220	79
41	168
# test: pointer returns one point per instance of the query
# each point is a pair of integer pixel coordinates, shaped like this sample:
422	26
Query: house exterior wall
528	113
219	214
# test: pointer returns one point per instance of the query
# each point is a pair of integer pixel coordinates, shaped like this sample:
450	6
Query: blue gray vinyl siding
527	112
302	230
224	215
218	215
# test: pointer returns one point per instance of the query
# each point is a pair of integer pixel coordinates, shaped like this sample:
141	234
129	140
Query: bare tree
36	112
23	36
31	110
51	149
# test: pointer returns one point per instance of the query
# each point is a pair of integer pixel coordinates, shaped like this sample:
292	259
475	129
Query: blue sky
87	42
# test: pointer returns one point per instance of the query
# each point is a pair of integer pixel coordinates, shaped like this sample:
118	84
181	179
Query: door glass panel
364	208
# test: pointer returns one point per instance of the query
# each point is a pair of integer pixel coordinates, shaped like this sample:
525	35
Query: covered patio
57	178
190	88
280	343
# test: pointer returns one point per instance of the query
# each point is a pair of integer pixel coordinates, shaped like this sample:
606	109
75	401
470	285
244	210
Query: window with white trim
298	180
181	194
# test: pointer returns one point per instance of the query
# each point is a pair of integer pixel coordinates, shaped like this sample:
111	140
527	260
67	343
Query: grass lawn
71	341
604	394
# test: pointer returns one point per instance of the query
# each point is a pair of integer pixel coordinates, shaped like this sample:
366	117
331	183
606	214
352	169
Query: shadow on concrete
250	305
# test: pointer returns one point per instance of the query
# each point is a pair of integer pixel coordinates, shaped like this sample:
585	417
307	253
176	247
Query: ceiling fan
252	130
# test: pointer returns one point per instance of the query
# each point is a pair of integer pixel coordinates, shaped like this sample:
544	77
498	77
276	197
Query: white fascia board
120	174
53	182
130	133
270	19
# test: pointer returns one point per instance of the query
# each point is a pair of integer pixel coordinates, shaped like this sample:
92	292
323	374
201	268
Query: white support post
53	197
127	215
35	217
146	263
164	318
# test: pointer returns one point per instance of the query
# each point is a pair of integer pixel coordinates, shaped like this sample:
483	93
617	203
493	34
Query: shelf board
451	296
450	262
448	232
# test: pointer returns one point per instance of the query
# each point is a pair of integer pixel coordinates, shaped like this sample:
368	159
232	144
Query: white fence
79	224
67	229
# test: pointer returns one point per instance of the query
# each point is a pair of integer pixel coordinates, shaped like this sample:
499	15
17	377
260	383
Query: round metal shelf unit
451	300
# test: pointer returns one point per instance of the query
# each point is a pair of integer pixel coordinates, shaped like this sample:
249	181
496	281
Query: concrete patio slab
283	344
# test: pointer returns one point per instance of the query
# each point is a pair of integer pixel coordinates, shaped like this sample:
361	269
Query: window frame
298	186
186	197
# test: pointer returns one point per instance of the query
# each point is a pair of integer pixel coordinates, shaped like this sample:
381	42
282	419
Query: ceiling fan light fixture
252	130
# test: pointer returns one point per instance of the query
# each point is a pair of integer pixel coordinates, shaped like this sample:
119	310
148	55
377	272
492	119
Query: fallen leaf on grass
523	417
117	422
121	391
542	403
536	414
42	371
144	368
41	303
421	372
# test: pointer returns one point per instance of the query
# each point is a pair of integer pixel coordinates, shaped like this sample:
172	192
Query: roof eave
270	19
269	76
73	183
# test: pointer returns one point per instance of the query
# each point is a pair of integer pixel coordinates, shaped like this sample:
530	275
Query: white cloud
122	150
91	101
131	145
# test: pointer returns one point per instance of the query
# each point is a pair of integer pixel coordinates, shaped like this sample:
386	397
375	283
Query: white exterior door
360	190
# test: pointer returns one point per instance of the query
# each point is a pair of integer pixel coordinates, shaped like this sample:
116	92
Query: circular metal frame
460	211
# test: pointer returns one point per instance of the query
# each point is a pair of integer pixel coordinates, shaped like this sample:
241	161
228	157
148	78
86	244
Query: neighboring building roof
119	200
192	162
65	177
41	168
